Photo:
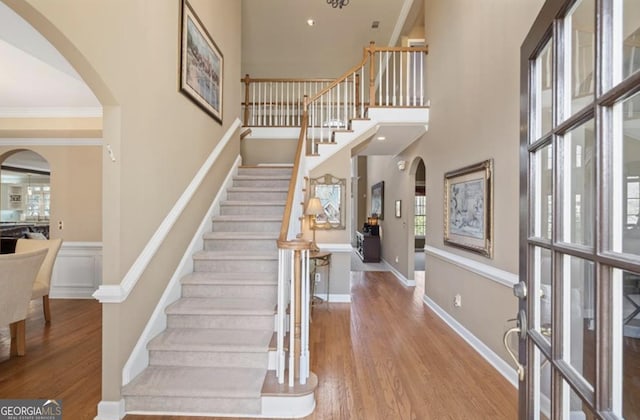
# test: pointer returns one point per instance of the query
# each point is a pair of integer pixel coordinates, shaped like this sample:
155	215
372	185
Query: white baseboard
77	272
288	407
405	281
139	358
336	298
110	410
489	355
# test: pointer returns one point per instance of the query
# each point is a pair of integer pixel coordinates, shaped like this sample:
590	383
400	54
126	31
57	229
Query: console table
368	247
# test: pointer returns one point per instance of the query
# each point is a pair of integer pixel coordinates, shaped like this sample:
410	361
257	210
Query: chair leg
18	338
46	309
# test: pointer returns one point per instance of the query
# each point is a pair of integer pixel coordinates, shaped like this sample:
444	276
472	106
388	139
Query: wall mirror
332	194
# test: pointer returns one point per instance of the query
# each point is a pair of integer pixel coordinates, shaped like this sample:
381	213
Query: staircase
213	357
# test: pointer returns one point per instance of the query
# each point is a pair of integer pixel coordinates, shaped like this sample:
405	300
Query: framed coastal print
468	202
201	64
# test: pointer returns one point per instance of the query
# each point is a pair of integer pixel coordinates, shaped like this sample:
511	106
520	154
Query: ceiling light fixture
311	22
381	138
337	3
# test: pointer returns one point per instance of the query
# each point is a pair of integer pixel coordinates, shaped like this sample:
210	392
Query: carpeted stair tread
197	382
231	278
241	235
262	177
253	203
258	189
235	255
203	339
247	218
221	306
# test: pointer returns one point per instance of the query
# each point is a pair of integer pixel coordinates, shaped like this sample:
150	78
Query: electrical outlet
318	277
397	259
457	301
60	225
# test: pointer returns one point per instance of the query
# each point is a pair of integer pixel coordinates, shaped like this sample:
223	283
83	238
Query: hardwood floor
385	356
62	361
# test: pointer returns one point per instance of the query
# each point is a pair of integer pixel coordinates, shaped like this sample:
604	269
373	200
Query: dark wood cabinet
368	247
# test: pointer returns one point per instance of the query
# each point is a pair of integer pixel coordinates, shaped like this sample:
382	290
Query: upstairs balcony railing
385	77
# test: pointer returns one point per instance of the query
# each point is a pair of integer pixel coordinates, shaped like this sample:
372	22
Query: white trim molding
51	112
61	142
338	298
502	277
489	355
119	293
405	281
77	272
110	410
139	357
337	248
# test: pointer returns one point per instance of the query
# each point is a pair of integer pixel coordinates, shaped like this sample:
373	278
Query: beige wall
256	151
158	136
51	127
473	85
76	190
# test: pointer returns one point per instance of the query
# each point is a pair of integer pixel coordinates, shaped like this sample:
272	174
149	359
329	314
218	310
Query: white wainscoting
77	273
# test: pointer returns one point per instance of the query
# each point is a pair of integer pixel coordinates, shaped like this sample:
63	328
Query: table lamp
314	209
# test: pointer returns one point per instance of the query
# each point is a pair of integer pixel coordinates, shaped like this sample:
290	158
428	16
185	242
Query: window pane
626	177
419	214
542	395
573	407
580	30
541	194
542	100
578	312
630	37
579	184
627	345
542	279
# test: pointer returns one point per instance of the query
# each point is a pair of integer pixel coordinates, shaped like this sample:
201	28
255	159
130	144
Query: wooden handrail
424	49
337	81
249	80
284	228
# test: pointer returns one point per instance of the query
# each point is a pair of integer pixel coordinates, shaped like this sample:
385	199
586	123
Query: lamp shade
314	207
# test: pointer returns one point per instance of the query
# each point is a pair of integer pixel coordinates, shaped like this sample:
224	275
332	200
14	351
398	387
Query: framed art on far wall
377	200
468	208
201	64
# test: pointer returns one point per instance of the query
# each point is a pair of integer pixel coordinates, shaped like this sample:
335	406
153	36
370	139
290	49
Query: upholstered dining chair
43	280
17	275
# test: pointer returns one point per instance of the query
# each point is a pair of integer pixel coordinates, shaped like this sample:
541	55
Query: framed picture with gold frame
468	208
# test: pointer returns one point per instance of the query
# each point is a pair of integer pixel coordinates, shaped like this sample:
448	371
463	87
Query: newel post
372	74
247	81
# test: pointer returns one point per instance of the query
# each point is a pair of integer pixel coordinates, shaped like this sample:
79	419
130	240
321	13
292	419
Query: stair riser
208	359
240	245
168	403
248	322
249	209
269	183
240	266
257	196
265	172
245	226
230	291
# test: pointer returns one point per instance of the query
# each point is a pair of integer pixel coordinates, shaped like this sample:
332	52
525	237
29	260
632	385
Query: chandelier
337	3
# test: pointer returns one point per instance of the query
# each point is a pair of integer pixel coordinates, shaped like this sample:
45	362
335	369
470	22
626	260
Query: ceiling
37	81
277	41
